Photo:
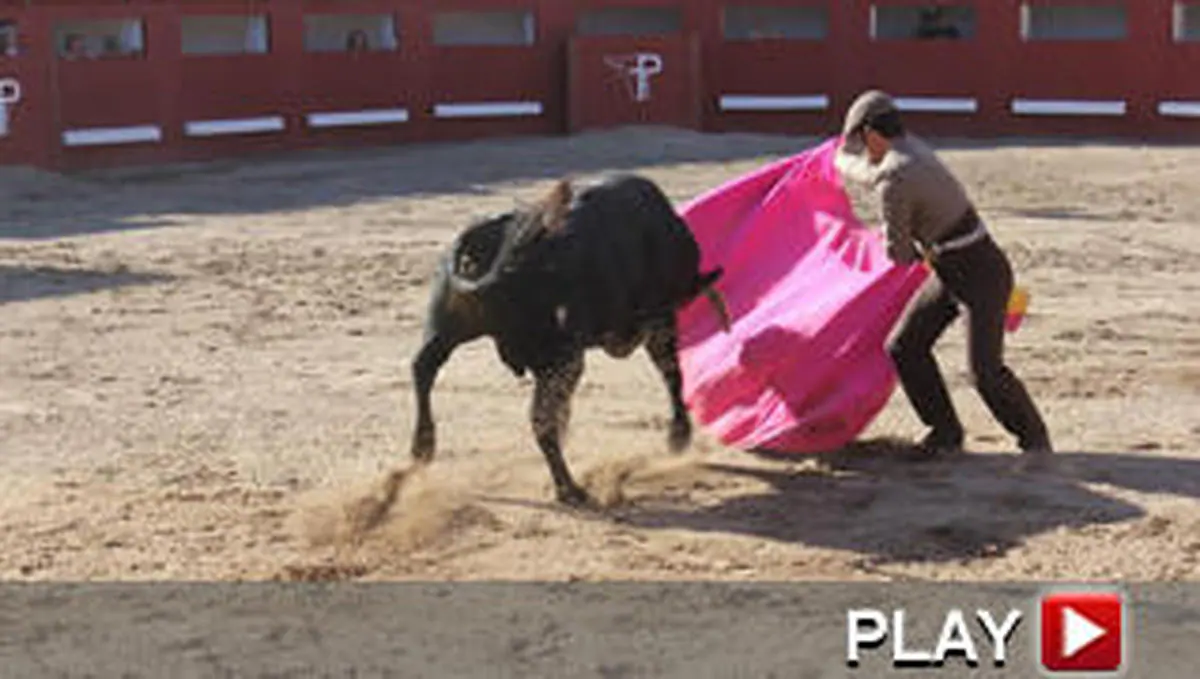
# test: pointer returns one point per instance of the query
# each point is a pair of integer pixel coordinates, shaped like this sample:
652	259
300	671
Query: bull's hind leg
662	344
433	355
554	386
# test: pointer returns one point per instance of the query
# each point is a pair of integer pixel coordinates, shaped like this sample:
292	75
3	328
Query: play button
1078	632
1082	631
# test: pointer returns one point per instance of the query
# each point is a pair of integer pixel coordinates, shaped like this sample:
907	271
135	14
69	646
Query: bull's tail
718	302
707	284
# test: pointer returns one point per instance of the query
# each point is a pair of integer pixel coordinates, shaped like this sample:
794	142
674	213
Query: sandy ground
199	367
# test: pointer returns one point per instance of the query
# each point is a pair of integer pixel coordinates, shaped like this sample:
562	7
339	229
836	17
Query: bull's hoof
574	496
680	437
622	345
424	443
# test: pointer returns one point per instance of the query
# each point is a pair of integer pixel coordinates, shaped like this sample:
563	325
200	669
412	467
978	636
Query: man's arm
897	221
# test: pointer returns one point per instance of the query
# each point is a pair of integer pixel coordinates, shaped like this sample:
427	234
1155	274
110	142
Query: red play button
1082	632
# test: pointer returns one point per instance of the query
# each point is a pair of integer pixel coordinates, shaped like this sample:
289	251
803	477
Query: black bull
546	282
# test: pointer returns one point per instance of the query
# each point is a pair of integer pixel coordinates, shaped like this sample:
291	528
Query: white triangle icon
1078	632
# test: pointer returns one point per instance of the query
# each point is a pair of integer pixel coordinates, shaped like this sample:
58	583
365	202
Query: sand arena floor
200	365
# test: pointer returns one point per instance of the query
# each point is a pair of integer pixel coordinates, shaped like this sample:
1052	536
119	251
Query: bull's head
484	251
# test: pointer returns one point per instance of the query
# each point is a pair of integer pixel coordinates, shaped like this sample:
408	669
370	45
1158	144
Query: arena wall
106	82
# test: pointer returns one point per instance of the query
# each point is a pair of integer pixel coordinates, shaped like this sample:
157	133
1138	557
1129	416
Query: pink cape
812	296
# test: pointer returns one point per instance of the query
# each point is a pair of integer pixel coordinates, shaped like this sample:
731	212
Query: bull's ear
556	204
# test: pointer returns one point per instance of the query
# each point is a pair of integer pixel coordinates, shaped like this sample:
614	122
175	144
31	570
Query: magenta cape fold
812	295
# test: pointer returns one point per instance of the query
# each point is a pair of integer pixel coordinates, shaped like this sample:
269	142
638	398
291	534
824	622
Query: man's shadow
877	498
874	498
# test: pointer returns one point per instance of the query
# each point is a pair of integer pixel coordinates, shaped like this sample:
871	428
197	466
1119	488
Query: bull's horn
467	286
555	205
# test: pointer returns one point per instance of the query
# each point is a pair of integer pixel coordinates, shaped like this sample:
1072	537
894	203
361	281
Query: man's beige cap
866	106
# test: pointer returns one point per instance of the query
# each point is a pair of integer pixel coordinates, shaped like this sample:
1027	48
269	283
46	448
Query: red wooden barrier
372	96
511	95
106	92
232	88
1064	86
761	76
451	72
944	86
1176	108
483	83
25	118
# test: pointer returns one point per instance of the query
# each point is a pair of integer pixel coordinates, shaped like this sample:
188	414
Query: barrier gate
615	81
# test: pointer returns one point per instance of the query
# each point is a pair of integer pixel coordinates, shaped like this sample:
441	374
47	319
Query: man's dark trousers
979	277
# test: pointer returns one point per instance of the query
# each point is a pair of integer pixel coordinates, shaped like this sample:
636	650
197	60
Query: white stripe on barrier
214	128
1179	109
379	116
100	136
1068	107
937	104
773	102
488	109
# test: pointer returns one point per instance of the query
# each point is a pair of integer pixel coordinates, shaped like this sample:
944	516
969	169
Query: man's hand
902	252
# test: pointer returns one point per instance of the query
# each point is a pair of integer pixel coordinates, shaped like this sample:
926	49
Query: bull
607	268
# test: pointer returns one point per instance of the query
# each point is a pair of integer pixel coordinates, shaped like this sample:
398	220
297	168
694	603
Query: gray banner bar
537	630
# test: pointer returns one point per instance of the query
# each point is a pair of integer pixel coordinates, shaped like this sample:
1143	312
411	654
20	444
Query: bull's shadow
875	499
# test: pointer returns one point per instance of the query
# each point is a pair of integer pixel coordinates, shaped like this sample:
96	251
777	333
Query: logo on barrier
10	91
10	94
636	69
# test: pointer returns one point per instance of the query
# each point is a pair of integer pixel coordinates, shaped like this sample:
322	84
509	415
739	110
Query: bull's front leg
432	356
554	387
662	344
